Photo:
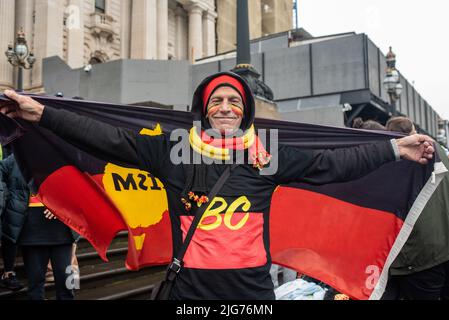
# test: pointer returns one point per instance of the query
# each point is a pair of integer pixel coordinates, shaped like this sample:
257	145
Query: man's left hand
416	147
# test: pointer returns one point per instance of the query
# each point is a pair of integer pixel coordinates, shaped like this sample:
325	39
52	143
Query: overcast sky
417	30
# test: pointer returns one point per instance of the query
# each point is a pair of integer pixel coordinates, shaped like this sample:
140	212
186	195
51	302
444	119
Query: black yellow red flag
344	234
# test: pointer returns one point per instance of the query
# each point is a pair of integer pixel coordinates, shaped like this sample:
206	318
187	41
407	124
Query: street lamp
392	82
20	56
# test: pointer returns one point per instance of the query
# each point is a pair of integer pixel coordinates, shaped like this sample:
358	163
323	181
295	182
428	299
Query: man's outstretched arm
94	137
352	163
345	164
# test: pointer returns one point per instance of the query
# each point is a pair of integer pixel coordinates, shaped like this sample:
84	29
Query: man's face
225	110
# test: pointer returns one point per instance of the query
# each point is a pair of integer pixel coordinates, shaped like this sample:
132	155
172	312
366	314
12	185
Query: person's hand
416	147
49	215
25	107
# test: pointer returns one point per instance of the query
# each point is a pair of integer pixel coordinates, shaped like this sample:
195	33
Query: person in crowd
13	205
358	123
49	276
413	277
44	238
401	124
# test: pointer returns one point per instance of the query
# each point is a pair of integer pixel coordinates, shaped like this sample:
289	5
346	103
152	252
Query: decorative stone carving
103	34
102	27
99	56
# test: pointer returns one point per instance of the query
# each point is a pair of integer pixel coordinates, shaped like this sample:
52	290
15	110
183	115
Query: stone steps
101	280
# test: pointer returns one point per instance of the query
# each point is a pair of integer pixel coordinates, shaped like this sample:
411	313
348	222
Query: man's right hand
25	107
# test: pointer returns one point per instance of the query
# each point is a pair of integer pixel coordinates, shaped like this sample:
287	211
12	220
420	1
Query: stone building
266	17
83	32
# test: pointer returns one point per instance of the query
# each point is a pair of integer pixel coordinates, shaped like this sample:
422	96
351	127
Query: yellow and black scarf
218	149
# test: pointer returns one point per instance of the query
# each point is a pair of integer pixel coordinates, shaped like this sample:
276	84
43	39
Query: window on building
100	6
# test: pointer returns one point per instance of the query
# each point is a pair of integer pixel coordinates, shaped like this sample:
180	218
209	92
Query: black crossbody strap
176	264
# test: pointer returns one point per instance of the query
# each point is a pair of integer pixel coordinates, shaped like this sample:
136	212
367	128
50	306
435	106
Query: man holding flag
229	255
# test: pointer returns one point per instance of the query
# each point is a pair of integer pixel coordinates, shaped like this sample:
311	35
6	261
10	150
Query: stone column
209	19
24	21
125	28
48	34
75	33
181	35
195	13
7	36
279	18
226	25
255	19
144	29
162	29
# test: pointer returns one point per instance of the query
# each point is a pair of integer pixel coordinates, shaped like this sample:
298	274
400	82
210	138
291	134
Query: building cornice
191	5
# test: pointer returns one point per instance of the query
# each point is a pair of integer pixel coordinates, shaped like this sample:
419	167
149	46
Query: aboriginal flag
344	234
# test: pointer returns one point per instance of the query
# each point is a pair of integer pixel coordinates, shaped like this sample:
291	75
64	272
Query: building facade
265	17
328	80
83	32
